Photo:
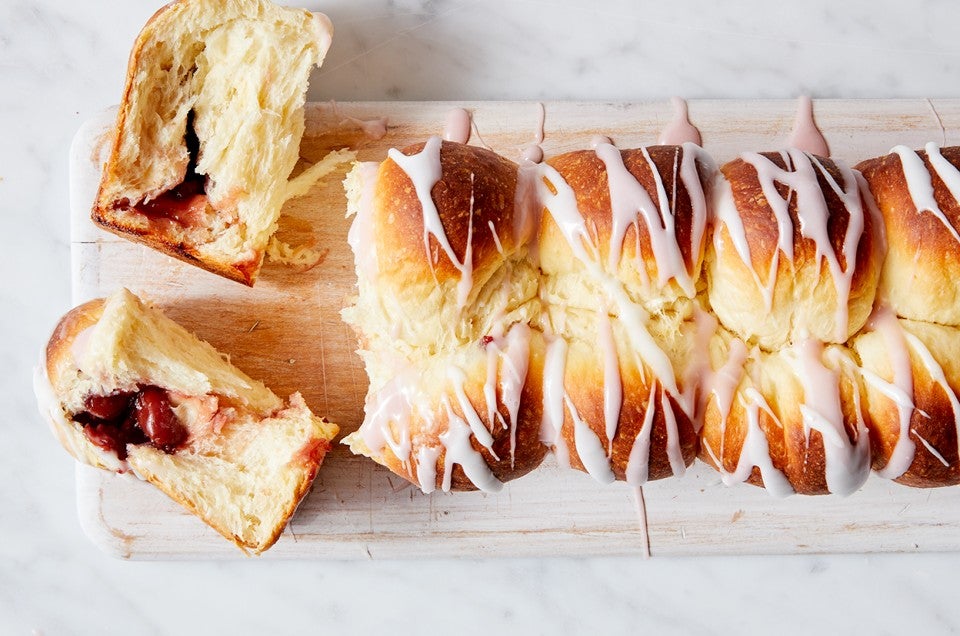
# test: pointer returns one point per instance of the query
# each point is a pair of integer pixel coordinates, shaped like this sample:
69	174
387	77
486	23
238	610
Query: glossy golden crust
804	298
637	267
584	382
770	391
921	273
933	419
475	182
422	314
428	421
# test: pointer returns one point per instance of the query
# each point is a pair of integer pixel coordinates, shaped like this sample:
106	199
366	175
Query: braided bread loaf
645	308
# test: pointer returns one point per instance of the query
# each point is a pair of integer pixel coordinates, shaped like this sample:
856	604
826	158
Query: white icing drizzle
387	424
457	378
526	214
937	375
641	506
496	237
755	451
900	390
589	447
427	457
78	348
456	442
554	364
813	215
612	382
387	409
638	461
598	140
457	127
532	153
933	451
680	130
541	119
490	385
562	207
805	135
514	352
629	201
920	184
674	452
698	368
516	364
424	170
846	464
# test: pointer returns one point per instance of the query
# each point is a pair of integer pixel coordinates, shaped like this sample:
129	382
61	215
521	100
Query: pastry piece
209	130
446	292
790	421
797	249
911	374
621	244
127	389
917	196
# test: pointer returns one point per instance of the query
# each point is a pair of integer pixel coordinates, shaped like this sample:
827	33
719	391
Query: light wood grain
287	331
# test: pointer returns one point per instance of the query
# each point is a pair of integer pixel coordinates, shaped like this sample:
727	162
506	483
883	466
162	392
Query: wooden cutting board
287	331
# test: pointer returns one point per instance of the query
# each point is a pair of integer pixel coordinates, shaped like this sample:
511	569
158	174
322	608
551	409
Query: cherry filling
133	417
185	203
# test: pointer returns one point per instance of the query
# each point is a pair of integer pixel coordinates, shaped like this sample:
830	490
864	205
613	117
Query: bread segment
209	130
446	295
246	458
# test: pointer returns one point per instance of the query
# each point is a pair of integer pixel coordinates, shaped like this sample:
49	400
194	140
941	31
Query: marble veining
62	61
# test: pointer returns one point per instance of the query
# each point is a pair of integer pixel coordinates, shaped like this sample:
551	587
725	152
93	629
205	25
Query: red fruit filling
186	203
134	417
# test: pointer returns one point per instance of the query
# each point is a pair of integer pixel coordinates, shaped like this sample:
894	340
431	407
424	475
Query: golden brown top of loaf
796	251
475	189
439	261
642	218
921	274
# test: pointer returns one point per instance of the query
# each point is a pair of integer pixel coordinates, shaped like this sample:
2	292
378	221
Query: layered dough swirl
790	320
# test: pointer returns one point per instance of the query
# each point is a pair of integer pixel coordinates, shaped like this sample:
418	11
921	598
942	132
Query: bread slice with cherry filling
125	388
209	130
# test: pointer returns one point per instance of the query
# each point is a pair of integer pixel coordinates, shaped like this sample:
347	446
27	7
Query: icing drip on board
375	128
680	131
458	125
806	136
640	504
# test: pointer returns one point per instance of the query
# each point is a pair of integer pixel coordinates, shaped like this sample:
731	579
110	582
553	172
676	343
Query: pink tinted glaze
457	127
679	131
805	134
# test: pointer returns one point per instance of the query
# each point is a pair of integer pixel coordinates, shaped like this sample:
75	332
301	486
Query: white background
62	61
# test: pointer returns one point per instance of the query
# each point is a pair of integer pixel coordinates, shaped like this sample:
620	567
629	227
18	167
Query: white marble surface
62	61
